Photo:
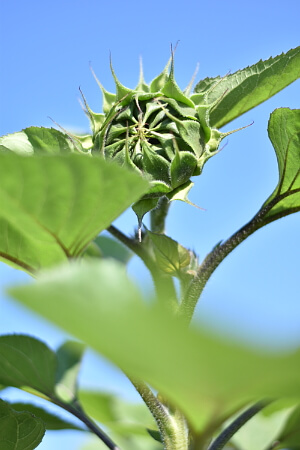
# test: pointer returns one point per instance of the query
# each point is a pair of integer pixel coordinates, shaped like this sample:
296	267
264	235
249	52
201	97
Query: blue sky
46	49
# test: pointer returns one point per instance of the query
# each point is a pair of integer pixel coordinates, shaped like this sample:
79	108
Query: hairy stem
158	411
212	261
216	256
172	426
227	434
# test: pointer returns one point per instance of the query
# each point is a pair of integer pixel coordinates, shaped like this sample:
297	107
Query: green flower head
157	130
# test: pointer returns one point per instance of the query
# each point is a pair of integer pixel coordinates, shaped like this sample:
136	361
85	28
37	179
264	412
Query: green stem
158	215
80	414
172	427
227	434
212	261
158	411
164	284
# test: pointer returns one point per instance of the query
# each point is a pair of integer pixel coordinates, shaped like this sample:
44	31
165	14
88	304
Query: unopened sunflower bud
157	130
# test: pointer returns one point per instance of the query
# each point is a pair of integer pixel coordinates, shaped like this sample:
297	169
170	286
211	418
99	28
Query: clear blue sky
46	49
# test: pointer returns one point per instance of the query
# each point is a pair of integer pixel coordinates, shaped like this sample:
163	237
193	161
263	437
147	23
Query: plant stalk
219	253
78	412
224	437
158	215
172	426
212	261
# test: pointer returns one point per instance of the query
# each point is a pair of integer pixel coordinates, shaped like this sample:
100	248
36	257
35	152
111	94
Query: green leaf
243	90
69	357
17	143
118	415
25	361
155	434
53	206
284	133
19	430
289	437
147	342
143	206
35	140
125	443
98	405
261	431
49	140
110	248
50	420
170	255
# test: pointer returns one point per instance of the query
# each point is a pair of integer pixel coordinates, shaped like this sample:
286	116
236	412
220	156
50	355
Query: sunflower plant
60	191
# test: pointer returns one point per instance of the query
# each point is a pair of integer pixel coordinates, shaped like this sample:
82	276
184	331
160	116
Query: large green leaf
191	367
284	132
53	206
247	88
19	430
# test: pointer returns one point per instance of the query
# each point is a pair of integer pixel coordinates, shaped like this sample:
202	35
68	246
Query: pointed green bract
284	133
158	83
155	164
181	194
123	93
172	90
19	430
182	167
243	90
53	206
143	206
222	374
142	86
